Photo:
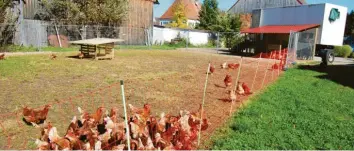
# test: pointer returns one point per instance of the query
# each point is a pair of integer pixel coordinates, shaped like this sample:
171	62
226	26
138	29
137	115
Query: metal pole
127	133
21	23
201	114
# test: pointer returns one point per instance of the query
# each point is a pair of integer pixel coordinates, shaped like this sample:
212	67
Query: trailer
325	21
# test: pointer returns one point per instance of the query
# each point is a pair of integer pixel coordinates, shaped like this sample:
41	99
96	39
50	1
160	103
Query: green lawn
305	109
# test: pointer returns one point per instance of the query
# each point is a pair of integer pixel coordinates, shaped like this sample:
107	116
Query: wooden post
127	134
201	114
96	46
236	83
314	44
255	75
265	75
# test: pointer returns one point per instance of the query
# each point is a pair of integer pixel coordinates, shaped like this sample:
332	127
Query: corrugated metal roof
279	29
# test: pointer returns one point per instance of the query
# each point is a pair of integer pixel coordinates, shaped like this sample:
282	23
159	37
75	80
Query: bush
352	55
343	51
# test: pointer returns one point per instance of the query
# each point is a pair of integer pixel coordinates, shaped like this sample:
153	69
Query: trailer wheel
330	56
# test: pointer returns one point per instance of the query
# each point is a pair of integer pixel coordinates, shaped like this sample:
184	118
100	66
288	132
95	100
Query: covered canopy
279	29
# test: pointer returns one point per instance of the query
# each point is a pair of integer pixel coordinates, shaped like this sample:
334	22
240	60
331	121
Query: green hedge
343	51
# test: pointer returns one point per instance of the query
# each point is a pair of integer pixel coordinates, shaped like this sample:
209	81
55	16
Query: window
163	23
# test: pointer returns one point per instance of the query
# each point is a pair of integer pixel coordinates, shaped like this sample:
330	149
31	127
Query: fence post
58	35
187	39
203	102
218	43
125	114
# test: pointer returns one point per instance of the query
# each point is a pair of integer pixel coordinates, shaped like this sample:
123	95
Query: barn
245	8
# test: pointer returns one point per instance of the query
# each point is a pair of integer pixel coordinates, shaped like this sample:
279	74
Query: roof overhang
280	29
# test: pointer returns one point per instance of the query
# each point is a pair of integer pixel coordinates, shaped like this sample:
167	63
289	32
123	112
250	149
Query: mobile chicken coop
305	30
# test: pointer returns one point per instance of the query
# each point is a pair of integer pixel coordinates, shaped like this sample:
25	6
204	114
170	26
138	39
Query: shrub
343	51
352	55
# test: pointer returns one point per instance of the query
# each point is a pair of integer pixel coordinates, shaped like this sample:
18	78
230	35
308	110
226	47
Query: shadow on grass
341	74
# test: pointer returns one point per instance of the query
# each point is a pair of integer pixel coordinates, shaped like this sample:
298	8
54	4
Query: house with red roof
191	8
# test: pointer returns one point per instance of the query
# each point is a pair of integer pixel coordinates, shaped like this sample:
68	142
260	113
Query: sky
226	4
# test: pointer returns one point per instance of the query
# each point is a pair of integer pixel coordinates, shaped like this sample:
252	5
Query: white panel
297	15
328	33
333	33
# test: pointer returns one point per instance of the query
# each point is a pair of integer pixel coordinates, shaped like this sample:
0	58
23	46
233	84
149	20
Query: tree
8	19
179	16
349	28
229	25
84	12
208	15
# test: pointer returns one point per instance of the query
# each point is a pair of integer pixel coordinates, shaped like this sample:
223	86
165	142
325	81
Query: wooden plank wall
139	19
247	6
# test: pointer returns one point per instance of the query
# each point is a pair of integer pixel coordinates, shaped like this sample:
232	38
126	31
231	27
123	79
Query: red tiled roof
191	10
279	29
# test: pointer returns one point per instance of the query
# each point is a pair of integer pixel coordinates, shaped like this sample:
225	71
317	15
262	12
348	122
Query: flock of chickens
105	130
241	88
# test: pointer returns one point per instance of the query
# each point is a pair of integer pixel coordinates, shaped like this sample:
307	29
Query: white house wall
162	35
309	14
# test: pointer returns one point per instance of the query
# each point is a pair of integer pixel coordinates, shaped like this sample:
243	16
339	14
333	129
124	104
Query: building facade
192	8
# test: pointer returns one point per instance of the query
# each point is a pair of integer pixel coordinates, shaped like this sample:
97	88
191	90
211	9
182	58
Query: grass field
168	80
308	108
15	48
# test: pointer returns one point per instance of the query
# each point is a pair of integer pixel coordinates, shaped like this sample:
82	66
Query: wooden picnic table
93	47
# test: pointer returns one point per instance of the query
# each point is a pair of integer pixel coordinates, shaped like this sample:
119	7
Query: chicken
113	114
141	145
35	116
74	126
160	142
211	69
98	115
42	145
53	56
138	129
161	125
149	144
246	89
75	142
118	147
240	89
224	65
80	55
142	113
233	66
232	96
57	141
228	81
2	56
45	128
98	145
